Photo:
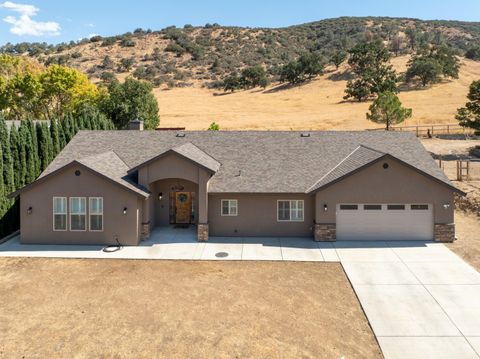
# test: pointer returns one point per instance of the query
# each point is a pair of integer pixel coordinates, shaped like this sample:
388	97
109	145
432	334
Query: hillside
189	55
186	65
315	105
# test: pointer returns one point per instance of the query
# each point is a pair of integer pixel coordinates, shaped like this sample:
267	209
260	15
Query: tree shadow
223	93
341	76
286	86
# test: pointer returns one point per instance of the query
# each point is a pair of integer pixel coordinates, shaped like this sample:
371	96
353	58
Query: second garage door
384	221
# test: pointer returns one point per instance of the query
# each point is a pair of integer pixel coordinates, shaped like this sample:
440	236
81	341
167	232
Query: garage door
384	221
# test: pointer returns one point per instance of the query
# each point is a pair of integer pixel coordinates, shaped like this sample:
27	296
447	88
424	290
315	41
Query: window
349	206
396	207
59	213
421	207
372	207
77	214
291	210
229	207
96	213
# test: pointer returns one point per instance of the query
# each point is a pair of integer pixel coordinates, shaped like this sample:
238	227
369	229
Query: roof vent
305	134
180	134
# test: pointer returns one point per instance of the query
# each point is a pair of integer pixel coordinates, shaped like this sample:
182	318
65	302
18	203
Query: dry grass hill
316	105
186	65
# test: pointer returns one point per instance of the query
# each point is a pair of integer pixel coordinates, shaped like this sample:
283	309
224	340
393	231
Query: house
116	186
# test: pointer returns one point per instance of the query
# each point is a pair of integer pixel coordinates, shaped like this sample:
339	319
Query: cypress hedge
27	150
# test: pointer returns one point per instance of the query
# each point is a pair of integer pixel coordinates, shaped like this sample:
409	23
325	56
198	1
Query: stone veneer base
145	231
444	232
325	232
202	232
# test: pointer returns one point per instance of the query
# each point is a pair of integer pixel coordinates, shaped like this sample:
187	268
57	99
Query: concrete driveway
421	299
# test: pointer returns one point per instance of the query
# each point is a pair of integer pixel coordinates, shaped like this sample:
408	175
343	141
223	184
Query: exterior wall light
446	205
29	210
125	210
325	208
160	196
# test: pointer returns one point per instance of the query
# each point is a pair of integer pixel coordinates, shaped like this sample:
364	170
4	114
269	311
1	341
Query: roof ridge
343	161
370	148
333	169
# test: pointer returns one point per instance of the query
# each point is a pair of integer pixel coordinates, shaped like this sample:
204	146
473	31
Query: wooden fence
433	130
461	170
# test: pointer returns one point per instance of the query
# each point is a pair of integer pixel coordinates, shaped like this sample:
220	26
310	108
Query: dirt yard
468	233
58	308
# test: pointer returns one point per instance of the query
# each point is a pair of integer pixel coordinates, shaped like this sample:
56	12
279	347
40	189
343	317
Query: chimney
135	124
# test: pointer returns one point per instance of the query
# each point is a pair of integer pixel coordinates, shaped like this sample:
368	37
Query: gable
382	176
67	178
170	165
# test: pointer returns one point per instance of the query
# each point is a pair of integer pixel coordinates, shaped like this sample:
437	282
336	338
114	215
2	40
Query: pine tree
14	150
54	134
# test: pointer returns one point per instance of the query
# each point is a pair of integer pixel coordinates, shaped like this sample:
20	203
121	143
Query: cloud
25	25
90	25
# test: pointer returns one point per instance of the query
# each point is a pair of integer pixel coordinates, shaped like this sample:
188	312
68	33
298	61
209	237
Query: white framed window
78	215
59	213
290	210
95	212
229	207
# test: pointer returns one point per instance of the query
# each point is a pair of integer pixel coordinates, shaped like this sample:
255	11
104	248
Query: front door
183	207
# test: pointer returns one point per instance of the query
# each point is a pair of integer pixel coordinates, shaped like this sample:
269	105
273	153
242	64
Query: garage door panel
384	224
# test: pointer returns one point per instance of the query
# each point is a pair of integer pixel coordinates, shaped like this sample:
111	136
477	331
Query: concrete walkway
421	299
170	243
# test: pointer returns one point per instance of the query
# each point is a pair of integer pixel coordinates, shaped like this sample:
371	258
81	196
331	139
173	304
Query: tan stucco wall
257	216
374	184
37	227
161	212
173	166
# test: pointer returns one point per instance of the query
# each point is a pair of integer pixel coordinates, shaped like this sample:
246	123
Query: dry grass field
68	308
316	105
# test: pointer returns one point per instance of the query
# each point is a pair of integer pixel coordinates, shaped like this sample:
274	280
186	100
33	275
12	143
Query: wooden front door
183	207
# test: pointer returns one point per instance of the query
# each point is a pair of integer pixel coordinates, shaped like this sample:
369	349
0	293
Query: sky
56	21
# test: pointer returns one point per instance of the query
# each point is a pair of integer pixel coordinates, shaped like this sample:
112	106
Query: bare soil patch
57	308
467	226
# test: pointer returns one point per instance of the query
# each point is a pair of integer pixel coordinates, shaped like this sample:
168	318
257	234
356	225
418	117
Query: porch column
202	226
147	203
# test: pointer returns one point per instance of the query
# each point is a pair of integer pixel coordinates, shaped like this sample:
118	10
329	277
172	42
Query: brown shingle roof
255	161
360	157
112	167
